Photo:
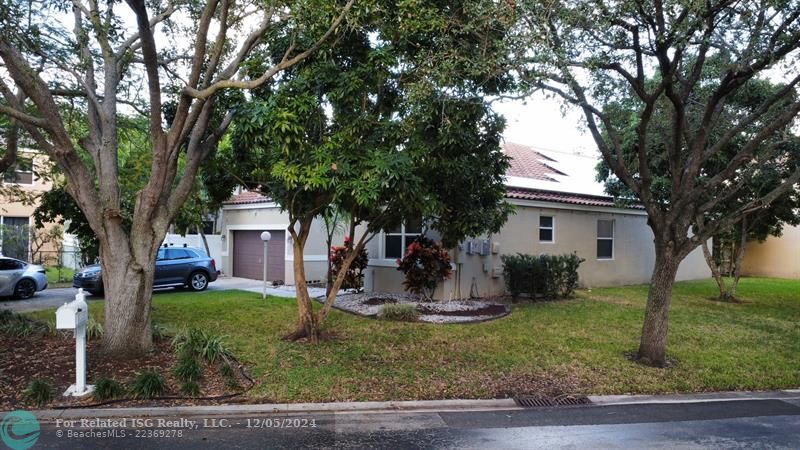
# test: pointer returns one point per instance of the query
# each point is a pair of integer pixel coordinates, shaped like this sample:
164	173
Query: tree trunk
737	269
328	280
203	237
337	284
307	326
129	289
715	272
653	344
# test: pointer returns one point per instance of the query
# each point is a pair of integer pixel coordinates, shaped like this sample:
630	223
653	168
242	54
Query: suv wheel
198	281
25	289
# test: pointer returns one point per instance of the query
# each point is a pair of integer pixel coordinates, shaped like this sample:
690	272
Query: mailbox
72	315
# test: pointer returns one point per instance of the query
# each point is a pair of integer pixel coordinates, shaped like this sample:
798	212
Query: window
10	264
396	240
546	229
605	239
177	253
208	227
15	236
21	173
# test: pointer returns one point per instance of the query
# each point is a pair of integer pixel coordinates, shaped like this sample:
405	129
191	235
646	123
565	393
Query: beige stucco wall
270	217
777	257
9	207
575	231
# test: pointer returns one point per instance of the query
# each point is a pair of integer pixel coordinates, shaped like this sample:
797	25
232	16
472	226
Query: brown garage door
248	254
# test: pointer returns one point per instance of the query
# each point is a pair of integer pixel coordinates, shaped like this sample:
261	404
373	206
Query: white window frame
612	239
552	229
404	241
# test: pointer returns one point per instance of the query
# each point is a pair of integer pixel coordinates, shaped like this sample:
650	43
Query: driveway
52	298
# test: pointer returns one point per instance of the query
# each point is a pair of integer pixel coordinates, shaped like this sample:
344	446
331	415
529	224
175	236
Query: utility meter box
485	248
72	315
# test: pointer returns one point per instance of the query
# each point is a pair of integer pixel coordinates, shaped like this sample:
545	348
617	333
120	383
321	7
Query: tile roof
529	163
561	197
246	197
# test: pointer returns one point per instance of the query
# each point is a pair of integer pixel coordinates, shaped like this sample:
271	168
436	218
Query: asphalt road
772	424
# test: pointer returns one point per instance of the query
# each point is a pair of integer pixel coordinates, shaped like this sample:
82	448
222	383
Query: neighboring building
560	209
15	216
777	257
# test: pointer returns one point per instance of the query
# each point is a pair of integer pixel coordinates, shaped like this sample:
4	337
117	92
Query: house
560	209
777	256
16	216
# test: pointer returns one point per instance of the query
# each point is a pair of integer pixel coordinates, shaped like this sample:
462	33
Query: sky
540	122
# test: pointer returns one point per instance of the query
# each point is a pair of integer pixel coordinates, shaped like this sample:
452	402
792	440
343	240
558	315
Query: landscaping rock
369	304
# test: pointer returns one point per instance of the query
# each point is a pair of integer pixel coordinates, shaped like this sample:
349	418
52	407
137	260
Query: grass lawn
59	276
574	346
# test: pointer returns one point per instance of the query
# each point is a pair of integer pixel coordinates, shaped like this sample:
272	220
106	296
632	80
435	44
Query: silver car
20	279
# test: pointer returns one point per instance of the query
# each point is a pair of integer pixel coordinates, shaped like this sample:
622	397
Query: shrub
424	264
399	311
160	332
354	277
188	368
39	392
551	276
200	343
94	329
107	388
190	389
17	325
148	384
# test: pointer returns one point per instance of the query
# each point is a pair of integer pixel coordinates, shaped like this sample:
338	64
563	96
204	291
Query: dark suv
175	267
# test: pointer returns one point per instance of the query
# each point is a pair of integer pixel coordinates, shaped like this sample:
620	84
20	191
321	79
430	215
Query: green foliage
188	368
106	388
39	392
94	329
228	374
160	332
200	343
389	124
148	383
551	276
354	277
190	388
425	263
403	312
17	325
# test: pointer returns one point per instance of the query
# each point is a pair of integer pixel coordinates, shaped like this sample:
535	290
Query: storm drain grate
530	401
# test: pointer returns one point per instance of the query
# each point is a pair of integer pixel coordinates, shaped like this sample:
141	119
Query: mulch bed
52	357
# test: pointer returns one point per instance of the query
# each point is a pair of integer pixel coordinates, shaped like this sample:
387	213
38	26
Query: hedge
550	276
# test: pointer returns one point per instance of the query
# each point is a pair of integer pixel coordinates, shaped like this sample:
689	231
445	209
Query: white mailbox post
73	316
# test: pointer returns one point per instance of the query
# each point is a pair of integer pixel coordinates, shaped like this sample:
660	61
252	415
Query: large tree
368	128
657	56
107	59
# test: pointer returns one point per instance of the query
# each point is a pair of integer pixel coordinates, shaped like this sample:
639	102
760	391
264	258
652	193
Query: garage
248	254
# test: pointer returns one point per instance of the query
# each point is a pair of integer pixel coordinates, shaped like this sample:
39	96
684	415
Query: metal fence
66	260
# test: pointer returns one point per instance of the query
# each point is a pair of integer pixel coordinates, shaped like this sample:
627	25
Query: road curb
282	409
394	406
